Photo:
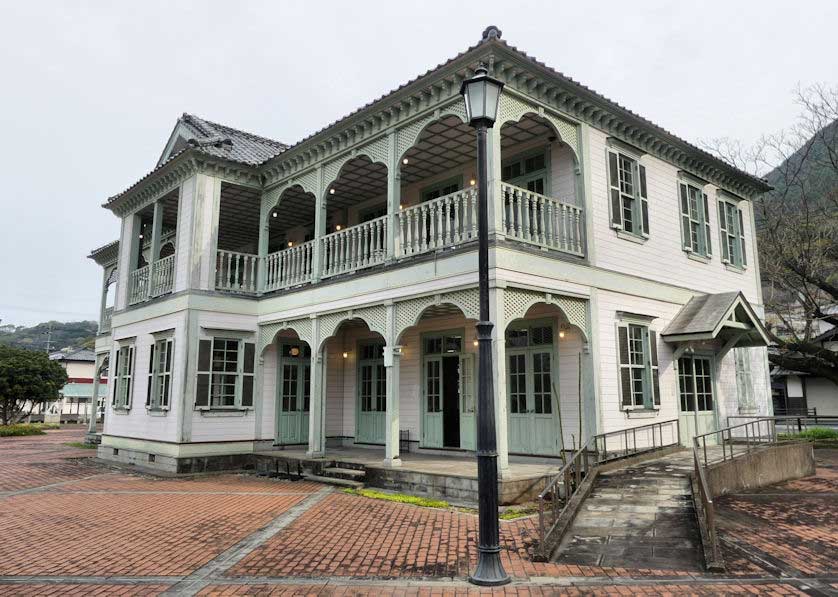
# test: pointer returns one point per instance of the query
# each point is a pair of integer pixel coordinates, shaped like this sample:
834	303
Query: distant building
797	392
74	397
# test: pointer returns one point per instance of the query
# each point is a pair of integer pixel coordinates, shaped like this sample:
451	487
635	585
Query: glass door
695	387
372	395
293	393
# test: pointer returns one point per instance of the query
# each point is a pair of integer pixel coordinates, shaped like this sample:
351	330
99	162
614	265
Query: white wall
822	394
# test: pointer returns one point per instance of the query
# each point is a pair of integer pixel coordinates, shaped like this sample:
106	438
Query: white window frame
159	391
694	214
124	377
732	233
629	185
647	368
207	378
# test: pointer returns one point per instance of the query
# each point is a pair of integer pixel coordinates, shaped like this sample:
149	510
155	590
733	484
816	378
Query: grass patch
400	498
22	429
514	513
81	445
815	433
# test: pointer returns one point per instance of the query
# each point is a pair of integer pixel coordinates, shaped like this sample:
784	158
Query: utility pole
49	338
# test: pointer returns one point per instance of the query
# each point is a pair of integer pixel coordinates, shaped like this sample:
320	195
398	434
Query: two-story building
324	294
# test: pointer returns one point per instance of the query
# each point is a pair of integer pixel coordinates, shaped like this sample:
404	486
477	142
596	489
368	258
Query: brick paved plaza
72	526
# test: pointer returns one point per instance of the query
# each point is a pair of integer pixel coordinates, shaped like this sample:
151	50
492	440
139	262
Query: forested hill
75	334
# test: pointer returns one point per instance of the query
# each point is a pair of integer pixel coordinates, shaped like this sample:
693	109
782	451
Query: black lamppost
481	94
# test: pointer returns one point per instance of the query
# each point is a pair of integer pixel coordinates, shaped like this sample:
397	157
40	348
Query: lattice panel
567	132
457	109
408	312
518	301
270	198
308	181
268	332
329	323
377	151
467	300
375	318
406	137
512	109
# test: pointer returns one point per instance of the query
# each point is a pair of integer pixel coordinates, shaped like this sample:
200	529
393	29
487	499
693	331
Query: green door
530	364
371	419
468	422
293	393
697	406
432	403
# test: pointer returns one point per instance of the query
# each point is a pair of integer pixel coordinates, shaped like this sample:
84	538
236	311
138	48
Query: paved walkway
70	526
637	517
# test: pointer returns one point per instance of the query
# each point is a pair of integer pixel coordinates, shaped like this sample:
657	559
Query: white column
496	315
316	418
156	232
94	400
320	209
264	238
494	195
205	241
103	301
129	246
392	358
393	198
185	231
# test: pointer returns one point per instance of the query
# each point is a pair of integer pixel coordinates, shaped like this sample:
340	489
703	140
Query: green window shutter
116	380
247	374
708	245
625	369
614	191
685	217
149	389
644	201
130	393
723	232
170	351
742	239
653	349
203	381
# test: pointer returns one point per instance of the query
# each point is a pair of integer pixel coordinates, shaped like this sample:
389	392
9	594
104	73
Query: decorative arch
407	136
377	151
375	318
268	332
273	198
409	312
517	301
513	109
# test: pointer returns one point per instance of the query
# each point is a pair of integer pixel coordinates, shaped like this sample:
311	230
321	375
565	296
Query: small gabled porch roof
727	316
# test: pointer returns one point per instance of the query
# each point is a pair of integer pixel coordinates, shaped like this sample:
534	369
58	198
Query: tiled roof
222	141
109	250
82	354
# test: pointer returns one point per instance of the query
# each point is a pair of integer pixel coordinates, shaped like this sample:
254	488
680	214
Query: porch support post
320	213
94	401
496	302
316	419
392	358
494	195
393	198
205	240
103	301
156	233
264	237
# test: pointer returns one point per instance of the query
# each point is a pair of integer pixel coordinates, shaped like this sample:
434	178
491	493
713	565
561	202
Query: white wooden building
324	294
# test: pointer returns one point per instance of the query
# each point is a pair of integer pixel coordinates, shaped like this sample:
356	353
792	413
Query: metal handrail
706	497
566	483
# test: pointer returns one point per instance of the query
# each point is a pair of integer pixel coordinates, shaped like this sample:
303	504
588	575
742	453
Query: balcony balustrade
138	285
289	267
354	248
163	276
236	272
105	323
544	221
442	222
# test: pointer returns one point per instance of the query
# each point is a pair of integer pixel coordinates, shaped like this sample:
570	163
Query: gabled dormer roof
219	141
724	316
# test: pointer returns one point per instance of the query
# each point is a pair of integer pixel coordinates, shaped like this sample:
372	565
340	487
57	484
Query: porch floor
451	476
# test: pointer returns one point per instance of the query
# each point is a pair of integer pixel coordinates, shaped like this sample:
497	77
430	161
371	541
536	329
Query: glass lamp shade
481	94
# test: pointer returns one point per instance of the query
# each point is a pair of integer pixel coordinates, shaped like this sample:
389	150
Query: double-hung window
695	219
732	234
638	357
628	197
123	381
160	374
225	374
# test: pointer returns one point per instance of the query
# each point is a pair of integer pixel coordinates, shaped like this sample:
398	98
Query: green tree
27	378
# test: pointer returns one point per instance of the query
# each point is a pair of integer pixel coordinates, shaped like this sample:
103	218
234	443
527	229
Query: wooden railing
554	500
544	221
354	248
289	267
105	324
162	275
236	272
138	285
439	223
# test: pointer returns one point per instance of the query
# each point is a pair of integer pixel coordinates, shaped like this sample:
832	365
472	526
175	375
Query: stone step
350	474
356	466
336	481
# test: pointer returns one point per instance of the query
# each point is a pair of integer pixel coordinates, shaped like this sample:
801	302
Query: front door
372	394
447	392
530	365
695	387
467	391
293	393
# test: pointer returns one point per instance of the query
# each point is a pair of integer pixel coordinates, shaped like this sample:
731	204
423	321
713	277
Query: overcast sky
91	90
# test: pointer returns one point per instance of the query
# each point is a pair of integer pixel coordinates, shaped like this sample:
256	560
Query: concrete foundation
763	466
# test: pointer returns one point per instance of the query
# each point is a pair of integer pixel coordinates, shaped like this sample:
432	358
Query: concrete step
357	466
349	474
336	481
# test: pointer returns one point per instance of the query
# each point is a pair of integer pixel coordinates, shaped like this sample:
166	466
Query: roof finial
491	32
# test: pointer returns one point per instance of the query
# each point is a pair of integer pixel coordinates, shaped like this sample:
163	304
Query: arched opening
547	409
356	217
540	186
438	177
438	379
355	385
290	239
238	238
290	403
